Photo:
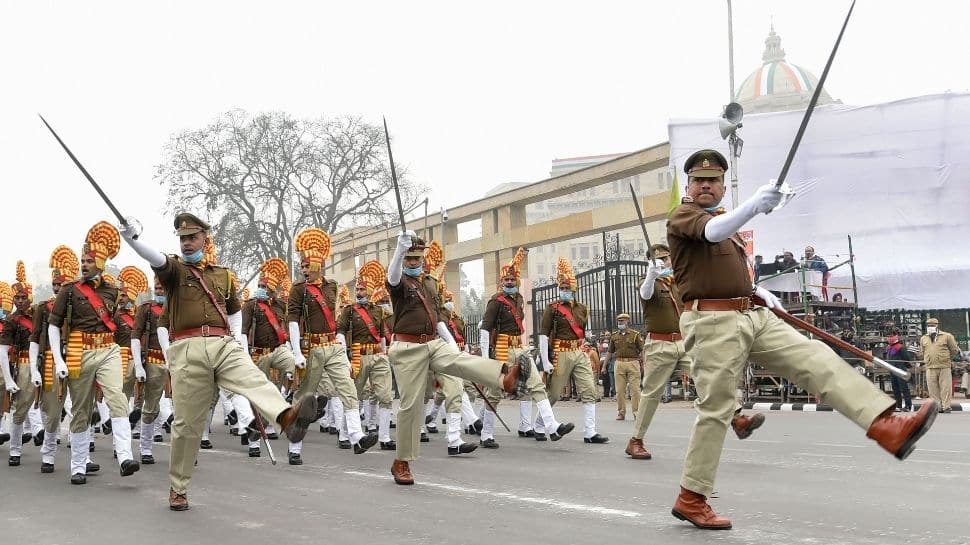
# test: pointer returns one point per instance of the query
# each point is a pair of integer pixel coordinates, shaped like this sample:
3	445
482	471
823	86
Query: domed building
778	85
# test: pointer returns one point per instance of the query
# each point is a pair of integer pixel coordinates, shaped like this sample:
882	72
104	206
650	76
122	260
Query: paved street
802	478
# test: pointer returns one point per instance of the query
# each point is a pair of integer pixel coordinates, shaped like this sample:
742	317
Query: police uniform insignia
705	164
686	199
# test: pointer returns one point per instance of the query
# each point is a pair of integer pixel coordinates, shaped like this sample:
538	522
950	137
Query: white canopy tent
894	176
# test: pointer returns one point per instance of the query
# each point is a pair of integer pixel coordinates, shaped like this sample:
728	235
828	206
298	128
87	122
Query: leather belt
94	341
156	357
664	336
739	304
627	359
320	339
564	345
420	339
204	331
23	356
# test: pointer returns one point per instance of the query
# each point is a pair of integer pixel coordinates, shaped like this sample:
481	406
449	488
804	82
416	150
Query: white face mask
450	306
930	329
386	307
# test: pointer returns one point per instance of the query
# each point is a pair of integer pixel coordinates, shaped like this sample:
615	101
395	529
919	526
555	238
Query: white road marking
514	497
817	455
943	451
840	445
941	462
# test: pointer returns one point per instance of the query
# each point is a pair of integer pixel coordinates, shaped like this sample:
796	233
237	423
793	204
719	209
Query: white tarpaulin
895	176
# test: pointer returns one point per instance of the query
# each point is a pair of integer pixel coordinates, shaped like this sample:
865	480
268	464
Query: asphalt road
802	478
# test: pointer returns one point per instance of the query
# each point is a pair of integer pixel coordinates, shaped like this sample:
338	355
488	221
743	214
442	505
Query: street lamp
728	125
427	235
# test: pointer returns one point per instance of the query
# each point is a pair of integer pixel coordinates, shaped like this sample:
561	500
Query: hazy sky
474	95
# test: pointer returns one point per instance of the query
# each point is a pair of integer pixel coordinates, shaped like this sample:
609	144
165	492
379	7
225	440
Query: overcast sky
474	96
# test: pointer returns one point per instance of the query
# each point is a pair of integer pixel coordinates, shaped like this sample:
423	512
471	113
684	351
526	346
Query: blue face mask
510	291
128	305
193	258
3	314
160	299
261	294
565	296
361	300
621	327
666	272
413	272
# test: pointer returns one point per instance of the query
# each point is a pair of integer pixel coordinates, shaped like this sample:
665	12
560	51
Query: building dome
778	85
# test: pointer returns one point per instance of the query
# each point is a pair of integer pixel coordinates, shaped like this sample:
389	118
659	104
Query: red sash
97	305
511	306
50	305
459	338
128	319
26	323
368	321
322	301
568	314
156	309
273	322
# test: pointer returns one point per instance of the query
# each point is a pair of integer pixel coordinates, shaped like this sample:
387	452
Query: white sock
104	412
467	411
121	434
589	423
16	439
525	416
296	448
384	425
339	419
548	417
354	432
488	425
454	429
145	443
79	452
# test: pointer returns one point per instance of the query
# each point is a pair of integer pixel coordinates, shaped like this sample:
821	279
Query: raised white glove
394	270
544	353
154	258
342	339
770	300
54	336
404	239
722	227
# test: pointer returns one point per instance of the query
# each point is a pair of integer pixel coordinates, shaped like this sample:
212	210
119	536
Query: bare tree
261	179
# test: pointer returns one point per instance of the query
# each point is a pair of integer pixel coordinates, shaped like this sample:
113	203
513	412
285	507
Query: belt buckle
96	340
205	330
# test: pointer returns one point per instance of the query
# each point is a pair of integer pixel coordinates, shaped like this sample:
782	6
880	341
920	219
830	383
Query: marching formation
125	355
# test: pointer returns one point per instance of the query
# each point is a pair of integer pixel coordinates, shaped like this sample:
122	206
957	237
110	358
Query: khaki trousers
448	392
574	363
330	362
377	369
660	360
719	344
128	382
627	373
939	381
411	363
198	366
25	397
154	388
103	366
281	359
535	387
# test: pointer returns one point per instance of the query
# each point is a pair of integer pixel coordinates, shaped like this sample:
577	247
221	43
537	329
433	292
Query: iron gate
606	291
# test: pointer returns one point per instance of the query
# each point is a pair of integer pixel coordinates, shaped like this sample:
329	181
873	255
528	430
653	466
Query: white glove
33	352
342	339
404	239
54	336
770	300
299	360
484	341
446	335
235	323
722	227
289	376
128	232
243	341
298	357
163	343
136	358
8	381
130	229
544	353
394	270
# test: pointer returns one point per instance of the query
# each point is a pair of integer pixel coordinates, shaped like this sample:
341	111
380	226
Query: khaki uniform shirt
659	312
83	317
263	335
563	331
187	303
498	317
410	314
353	327
301	303
704	270
146	323
14	334
938	353
626	344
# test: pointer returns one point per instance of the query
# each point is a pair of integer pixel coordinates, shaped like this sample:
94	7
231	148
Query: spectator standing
898	355
939	348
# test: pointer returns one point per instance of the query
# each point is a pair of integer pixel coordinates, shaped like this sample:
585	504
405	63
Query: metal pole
607	293
855	289
427	235
730	50
733	160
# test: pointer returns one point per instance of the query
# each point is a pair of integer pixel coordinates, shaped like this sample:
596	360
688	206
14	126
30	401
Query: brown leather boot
744	425
510	378
636	451
621	416
898	434
693	508
298	418
402	472
176	501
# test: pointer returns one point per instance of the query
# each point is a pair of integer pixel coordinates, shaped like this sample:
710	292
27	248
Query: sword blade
811	104
646	237
85	172
397	191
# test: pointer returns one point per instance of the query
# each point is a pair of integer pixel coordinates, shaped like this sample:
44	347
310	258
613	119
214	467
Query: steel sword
397	191
636	203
